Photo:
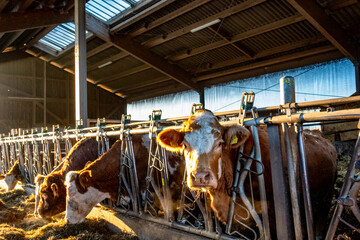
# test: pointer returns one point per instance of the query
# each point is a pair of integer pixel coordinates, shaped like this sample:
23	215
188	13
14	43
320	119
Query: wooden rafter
17	21
10	40
39	36
149	10
227	12
3	4
267	62
174	14
123	74
113	58
25	4
126	44
327	26
251	33
142	84
266	53
237	46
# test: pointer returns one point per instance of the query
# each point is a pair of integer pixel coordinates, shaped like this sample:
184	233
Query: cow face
10	181
206	146
38	181
81	196
52	194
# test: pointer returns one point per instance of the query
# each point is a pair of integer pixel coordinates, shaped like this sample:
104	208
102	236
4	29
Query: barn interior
135	50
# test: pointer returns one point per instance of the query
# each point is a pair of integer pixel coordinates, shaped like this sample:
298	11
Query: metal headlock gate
39	152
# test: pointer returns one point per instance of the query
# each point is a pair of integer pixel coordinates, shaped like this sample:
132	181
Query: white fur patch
219	167
79	205
202	140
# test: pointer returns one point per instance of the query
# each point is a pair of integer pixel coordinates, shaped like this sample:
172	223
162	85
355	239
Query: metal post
202	97
284	228
305	184
44	93
80	63
287	89
357	76
287	93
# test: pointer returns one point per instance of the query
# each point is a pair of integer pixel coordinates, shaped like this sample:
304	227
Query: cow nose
201	178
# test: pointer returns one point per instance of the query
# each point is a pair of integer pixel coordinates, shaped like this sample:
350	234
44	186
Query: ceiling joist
10	22
227	12
327	26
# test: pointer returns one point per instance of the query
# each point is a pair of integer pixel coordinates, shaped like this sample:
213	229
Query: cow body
51	189
13	176
100	179
210	154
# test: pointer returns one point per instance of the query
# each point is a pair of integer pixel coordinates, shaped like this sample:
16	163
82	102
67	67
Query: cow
13	176
100	179
51	189
210	155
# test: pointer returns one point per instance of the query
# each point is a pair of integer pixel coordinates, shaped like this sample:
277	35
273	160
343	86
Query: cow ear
39	179
55	189
171	139
2	177
235	136
84	178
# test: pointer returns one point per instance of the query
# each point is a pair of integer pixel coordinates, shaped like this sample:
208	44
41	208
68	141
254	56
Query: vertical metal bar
281	200
287	89
44	93
80	63
357	76
202	97
305	184
344	191
259	168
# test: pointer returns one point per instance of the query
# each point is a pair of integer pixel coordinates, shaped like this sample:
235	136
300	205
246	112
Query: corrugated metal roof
105	10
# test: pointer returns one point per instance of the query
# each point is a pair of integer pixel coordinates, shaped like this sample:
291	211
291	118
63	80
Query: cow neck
105	170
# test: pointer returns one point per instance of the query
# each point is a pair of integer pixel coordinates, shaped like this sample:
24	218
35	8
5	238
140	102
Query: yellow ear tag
174	144
234	140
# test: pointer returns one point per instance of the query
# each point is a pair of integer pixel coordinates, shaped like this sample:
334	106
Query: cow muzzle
202	179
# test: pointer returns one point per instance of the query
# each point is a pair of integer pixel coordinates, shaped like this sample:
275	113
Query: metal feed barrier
39	152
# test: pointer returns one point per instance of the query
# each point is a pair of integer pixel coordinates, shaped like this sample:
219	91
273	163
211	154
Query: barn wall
22	78
316	82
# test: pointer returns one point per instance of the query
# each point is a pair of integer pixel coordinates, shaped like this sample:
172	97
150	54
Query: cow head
12	177
52	196
207	146
38	181
81	196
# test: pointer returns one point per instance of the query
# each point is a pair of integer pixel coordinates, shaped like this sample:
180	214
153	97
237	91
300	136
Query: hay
17	222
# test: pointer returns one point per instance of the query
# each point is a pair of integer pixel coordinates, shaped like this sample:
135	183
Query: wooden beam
267	62
154	60
327	26
227	12
143	84
90	53
123	74
168	17
3	4
15	21
98	27
39	36
237	46
10	40
113	59
265	53
149	10
25	4
251	33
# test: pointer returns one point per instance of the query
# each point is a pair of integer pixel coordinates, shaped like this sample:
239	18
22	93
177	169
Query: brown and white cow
51	189
209	151
13	176
100	179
